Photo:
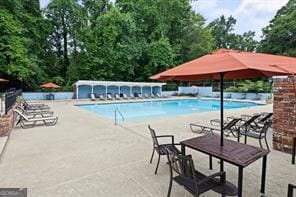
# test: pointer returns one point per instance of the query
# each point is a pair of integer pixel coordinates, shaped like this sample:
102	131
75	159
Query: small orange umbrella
49	85
3	80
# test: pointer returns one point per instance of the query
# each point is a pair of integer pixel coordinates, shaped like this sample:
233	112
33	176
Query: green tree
14	59
65	19
222	31
279	37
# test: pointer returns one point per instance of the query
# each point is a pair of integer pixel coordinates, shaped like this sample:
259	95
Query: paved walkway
86	155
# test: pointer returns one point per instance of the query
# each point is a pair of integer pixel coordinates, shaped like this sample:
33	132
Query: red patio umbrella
230	64
49	85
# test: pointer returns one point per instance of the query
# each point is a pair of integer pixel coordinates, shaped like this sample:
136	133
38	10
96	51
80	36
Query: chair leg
170	186
245	139
266	143
152	155
260	143
157	164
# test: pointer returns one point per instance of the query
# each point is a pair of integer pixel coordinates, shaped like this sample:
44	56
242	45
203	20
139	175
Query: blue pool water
153	109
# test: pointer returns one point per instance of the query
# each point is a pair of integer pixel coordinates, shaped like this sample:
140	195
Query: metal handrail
115	113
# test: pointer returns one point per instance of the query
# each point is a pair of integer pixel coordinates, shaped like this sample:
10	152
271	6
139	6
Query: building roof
116	83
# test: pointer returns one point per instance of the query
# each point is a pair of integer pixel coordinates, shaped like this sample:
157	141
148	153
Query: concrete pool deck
86	155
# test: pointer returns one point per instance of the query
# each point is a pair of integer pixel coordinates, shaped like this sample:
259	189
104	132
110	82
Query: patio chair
92	97
117	97
216	96
161	148
257	134
33	114
32	104
257	97
194	181
124	96
157	95
146	96
101	97
243	96
27	122
109	96
228	96
229	127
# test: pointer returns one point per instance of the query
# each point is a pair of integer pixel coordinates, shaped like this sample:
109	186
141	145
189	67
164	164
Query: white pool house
83	88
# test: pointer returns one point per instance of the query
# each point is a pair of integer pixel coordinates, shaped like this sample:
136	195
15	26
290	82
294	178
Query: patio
86	155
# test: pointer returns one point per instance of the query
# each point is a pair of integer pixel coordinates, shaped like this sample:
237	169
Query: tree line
128	40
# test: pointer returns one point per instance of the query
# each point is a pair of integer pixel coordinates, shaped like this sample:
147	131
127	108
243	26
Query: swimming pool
154	109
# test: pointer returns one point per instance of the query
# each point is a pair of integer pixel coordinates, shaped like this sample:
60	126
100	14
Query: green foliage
222	30
128	40
14	60
279	37
245	86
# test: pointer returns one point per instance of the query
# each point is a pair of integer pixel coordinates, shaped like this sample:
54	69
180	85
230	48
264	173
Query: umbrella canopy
49	85
230	64
3	80
233	63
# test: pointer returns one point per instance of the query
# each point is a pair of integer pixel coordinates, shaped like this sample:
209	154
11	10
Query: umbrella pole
222	108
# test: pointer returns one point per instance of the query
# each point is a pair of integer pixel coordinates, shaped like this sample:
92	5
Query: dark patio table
235	153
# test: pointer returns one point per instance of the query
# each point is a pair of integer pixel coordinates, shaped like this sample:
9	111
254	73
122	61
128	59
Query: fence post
6	103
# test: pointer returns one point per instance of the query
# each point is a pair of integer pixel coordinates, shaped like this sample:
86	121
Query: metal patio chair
260	133
161	148
194	181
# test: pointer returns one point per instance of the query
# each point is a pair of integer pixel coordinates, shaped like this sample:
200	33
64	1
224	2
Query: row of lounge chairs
122	96
243	96
29	115
253	126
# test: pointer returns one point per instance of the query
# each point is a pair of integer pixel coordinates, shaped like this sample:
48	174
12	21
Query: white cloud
250	14
249	7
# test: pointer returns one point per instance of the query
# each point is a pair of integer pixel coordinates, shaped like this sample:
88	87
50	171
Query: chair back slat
248	123
153	135
182	165
232	123
265	118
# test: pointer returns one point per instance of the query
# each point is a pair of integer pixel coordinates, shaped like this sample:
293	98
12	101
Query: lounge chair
92	97
194	181
229	127
132	96
109	97
243	96
228	96
124	96
101	97
257	134
161	148
117	97
257	97
216	96
33	114
157	95
27	122
32	104
146	96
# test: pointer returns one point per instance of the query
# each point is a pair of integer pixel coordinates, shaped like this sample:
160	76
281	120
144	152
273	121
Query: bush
251	86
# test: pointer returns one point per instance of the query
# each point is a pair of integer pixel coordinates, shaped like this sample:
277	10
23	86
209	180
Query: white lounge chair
146	96
109	97
117	97
92	97
101	97
124	96
27	122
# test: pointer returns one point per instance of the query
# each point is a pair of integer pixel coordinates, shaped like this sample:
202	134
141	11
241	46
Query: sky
250	14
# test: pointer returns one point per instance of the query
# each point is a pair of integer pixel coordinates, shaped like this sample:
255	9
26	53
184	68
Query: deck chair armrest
221	174
167	136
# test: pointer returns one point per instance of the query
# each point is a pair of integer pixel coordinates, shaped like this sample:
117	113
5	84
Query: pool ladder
117	111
